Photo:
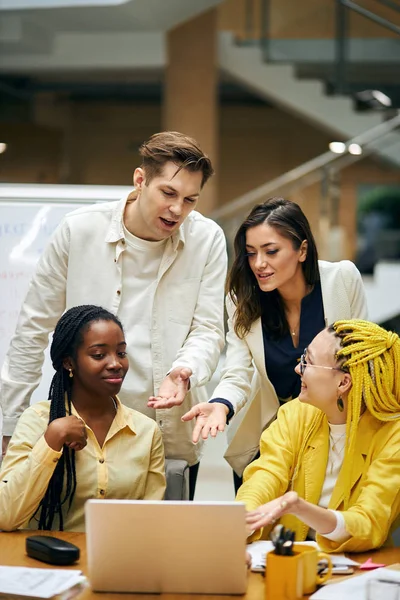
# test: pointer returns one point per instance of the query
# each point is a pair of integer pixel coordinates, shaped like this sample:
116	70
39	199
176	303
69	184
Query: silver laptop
166	547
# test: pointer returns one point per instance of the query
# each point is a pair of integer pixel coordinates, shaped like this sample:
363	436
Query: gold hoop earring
340	404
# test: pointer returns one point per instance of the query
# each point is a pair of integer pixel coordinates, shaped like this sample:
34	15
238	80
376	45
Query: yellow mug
311	557
284	576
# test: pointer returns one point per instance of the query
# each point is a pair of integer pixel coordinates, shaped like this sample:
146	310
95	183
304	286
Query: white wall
383	291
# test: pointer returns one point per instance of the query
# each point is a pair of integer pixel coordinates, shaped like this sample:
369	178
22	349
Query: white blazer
245	381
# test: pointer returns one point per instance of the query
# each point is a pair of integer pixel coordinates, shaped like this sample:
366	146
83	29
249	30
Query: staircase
317	79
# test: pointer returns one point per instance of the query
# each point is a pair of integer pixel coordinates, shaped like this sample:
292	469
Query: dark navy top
281	357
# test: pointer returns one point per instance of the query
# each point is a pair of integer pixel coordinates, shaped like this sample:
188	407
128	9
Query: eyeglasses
303	364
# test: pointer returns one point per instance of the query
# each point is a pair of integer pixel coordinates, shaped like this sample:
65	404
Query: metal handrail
307	173
265	11
341	20
342	37
342	26
390	4
368	14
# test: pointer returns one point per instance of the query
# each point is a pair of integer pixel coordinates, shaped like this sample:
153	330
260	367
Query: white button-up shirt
83	265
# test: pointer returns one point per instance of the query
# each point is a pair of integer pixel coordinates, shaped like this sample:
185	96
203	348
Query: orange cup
284	576
311	557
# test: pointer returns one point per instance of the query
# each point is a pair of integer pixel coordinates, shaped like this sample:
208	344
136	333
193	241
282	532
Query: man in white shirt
159	265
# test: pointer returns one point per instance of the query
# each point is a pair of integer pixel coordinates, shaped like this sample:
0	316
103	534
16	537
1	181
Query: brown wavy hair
172	146
290	221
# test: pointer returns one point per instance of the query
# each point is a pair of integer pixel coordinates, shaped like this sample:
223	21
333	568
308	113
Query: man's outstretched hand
173	389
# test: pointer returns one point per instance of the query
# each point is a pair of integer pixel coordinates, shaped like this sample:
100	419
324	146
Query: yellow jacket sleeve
370	518
26	471
268	477
155	483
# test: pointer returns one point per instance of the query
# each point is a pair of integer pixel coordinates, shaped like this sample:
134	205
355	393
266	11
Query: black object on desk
51	550
282	540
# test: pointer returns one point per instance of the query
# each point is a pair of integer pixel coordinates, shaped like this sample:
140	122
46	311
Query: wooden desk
12	553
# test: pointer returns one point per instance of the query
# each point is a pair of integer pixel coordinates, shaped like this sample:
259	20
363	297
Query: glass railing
263	20
37	4
344	35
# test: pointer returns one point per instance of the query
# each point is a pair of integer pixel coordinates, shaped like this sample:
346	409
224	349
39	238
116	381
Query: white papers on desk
259	550
25	582
356	588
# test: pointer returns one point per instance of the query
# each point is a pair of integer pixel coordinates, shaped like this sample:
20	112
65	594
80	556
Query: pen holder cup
284	576
311	558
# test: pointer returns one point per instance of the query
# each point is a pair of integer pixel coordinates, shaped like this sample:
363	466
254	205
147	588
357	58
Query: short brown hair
178	148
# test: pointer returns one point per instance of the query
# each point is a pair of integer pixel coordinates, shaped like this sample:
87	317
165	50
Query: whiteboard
28	216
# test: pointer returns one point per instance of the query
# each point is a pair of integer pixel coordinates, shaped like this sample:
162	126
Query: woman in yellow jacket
330	463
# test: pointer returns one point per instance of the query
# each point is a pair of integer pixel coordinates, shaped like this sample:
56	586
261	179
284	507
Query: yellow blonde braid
371	354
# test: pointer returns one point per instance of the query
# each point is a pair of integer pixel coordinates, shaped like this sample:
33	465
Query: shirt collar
123	418
367	426
178	238
115	231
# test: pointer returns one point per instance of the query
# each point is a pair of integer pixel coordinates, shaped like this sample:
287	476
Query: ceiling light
337	147
382	98
372	99
355	149
3	147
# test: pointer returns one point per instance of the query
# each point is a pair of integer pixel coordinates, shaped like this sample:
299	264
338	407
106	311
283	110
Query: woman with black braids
83	443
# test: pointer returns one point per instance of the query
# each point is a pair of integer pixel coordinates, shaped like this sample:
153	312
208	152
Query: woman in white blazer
279	297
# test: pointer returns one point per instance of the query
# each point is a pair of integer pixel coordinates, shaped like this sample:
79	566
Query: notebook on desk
166	547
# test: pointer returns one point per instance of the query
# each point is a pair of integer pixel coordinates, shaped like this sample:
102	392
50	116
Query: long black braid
68	336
